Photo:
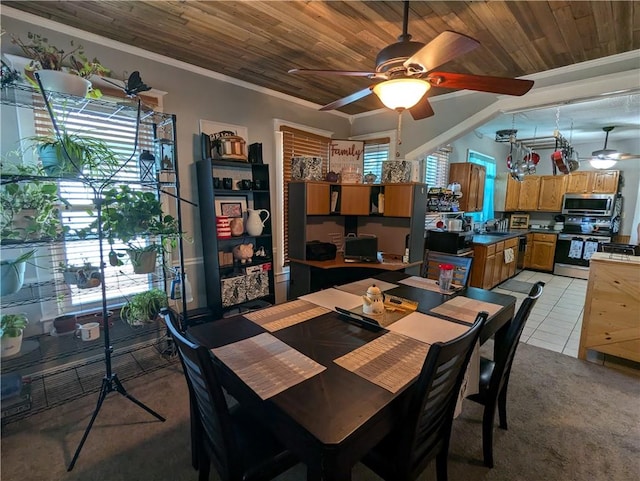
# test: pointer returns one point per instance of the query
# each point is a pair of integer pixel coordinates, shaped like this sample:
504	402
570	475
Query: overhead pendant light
402	93
597	163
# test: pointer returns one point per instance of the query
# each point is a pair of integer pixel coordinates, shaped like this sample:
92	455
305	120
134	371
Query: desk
309	276
332	419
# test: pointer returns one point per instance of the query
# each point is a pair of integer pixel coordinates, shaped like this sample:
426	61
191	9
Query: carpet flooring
569	420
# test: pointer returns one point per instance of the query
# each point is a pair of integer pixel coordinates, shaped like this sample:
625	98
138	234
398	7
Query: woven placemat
465	309
285	315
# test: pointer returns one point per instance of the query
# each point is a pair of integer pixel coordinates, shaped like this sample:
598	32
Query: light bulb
402	93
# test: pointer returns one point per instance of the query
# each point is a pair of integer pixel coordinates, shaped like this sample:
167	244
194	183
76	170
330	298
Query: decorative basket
396	171
226	145
306	168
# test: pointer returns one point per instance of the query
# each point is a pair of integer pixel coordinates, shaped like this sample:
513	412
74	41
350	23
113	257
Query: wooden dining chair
461	266
229	437
494	374
425	429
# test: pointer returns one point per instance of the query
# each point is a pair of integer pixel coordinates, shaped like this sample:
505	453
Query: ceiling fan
605	153
406	69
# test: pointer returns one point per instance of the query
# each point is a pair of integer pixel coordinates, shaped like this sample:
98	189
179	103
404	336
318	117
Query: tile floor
556	319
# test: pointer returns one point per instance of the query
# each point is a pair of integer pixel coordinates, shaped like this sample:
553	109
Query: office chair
425	430
239	448
494	375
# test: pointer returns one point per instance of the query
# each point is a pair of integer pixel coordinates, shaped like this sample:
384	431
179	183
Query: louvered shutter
298	143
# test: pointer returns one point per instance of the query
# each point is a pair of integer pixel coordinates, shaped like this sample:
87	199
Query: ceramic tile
560	332
563	323
549	337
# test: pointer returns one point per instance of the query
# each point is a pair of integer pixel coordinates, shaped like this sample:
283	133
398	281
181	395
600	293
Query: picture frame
231	209
231	206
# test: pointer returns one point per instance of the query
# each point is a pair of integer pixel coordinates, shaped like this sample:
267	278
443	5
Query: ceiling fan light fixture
402	93
602	163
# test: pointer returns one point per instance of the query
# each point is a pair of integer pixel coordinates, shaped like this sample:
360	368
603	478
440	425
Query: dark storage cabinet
232	286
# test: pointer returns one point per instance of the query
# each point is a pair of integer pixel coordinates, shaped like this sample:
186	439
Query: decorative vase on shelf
255	224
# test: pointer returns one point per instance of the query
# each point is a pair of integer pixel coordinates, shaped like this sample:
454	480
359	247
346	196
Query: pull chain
399	139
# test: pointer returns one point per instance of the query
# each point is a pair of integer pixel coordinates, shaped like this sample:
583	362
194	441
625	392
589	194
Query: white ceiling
579	122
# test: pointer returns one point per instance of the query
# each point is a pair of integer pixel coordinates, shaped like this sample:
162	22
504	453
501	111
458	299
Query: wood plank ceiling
259	41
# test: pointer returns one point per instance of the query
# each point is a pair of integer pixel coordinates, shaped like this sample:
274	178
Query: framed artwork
231	209
231	206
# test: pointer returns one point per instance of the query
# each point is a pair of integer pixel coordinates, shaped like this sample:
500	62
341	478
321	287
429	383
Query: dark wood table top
389	263
332	419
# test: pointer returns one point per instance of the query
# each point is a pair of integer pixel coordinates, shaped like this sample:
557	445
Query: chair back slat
430	412
461	266
212	409
505	351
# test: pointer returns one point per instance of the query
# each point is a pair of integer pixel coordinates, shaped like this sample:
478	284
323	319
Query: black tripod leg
120	388
104	390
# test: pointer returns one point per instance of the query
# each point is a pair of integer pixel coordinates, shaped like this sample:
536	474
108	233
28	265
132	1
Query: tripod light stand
110	381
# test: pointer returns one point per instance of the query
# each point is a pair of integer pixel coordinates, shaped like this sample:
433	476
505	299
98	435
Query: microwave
449	242
588	204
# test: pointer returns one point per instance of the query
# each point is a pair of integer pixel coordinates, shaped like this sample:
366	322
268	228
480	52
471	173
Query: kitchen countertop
499	236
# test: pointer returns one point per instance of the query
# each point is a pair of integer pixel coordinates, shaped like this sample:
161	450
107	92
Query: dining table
340	403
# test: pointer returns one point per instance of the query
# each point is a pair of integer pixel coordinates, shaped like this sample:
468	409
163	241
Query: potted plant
12	273
29	210
60	70
69	154
84	276
132	215
144	307
11	329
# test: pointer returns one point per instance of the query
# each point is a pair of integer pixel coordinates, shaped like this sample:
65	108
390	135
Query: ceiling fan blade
629	156
481	83
348	99
422	109
446	46
349	73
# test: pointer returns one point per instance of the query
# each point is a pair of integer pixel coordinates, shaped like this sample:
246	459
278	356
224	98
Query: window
297	142
490	164
376	151
437	168
118	130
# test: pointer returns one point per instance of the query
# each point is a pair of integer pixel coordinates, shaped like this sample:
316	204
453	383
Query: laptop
361	249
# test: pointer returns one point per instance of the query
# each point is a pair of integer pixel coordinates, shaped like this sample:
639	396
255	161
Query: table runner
428	329
390	361
360	287
425	283
465	309
330	298
285	315
266	364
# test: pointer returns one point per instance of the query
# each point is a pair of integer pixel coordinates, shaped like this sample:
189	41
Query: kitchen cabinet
489	267
610	322
543	248
592	182
527	251
552	188
506	193
471	178
529	193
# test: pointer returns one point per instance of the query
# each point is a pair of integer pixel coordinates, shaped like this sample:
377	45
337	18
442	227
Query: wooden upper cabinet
355	199
552	188
605	181
398	200
317	199
578	182
593	182
529	191
513	194
471	178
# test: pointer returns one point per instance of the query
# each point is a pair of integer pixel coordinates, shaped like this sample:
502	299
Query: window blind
298	143
437	168
376	151
118	130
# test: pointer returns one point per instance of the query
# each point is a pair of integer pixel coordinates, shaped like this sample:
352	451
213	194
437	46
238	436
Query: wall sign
346	153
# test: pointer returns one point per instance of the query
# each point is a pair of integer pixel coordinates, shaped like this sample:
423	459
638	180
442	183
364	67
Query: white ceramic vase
255	223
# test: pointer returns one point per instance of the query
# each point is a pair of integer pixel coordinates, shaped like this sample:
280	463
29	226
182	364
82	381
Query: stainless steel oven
573	252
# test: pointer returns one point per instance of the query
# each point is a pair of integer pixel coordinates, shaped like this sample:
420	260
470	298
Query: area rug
516	286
